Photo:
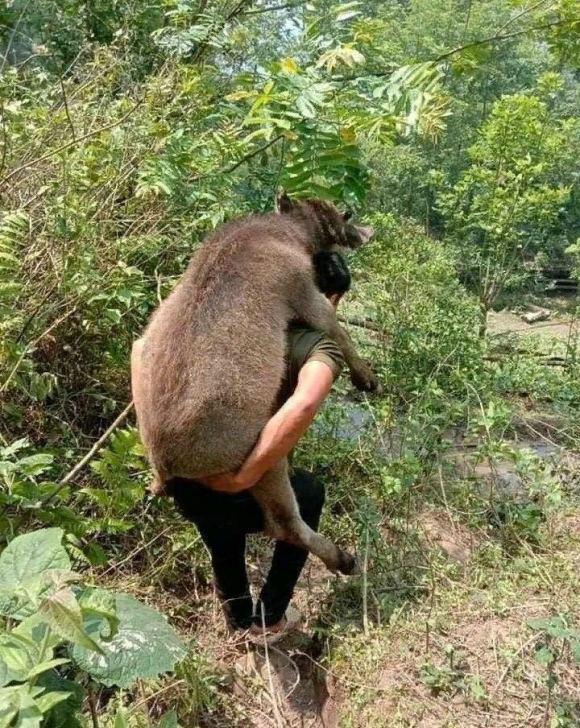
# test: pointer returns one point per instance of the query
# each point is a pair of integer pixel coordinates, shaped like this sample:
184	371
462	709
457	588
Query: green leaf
18	707
121	719
101	604
25	599
62	613
46	665
62	715
544	656
47	701
31	567
17	656
26	557
169	720
145	646
554	626
14	447
35	464
289	65
34	630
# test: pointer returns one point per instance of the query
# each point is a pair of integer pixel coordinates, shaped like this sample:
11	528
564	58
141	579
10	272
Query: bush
432	323
59	628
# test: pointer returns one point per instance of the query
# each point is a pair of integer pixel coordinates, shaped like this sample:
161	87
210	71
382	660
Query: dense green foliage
128	131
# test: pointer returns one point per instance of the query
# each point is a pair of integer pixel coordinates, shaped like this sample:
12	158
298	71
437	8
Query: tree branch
71	143
66	109
243	160
273	8
507	36
363	323
81	463
483	41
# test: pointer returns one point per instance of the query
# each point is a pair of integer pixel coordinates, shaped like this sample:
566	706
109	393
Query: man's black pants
223	521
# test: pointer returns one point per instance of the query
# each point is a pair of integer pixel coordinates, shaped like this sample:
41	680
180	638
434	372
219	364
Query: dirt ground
504	322
459	654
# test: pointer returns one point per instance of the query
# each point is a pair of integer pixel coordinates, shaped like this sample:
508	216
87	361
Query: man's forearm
282	431
277	439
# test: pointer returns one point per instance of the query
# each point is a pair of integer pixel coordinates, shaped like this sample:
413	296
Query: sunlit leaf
144	646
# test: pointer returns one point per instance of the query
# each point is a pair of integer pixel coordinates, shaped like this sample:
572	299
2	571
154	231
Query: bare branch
273	8
91	453
243	160
71	143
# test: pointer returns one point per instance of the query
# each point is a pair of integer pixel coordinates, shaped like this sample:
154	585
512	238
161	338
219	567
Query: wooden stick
362	323
81	463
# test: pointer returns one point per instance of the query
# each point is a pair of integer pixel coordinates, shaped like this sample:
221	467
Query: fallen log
532	317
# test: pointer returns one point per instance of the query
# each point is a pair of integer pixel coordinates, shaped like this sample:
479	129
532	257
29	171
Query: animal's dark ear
347	214
283	203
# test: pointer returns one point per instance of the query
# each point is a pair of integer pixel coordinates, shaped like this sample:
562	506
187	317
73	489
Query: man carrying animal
207	378
222	507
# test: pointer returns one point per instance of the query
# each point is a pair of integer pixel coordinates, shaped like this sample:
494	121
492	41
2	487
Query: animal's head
329	227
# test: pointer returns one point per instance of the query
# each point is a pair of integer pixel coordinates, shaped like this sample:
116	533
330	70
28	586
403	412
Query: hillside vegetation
129	129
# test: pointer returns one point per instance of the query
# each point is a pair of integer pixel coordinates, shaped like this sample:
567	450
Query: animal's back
215	352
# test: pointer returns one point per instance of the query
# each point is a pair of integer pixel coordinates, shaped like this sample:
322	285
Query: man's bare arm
282	431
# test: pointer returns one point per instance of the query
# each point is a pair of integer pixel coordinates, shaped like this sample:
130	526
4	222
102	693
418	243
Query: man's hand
225	482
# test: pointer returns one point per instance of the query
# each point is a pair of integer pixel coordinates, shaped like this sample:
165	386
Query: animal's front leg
315	310
361	375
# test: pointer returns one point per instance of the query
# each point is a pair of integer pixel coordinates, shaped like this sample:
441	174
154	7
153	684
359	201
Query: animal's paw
348	564
365	379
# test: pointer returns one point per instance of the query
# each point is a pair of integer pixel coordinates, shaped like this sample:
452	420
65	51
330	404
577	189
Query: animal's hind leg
284	522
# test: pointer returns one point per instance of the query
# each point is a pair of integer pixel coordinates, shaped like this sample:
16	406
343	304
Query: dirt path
462	655
504	322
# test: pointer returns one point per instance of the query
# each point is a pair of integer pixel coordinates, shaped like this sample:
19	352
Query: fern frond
14	229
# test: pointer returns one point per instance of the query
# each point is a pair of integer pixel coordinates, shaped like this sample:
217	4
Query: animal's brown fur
213	357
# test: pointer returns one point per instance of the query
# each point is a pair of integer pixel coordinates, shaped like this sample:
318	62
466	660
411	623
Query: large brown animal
213	355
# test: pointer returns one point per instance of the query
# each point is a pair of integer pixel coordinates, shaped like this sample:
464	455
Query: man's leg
228	560
288	561
223	521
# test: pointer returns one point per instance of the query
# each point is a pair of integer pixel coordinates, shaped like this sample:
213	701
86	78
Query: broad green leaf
101	604
46	665
62	715
145	646
18	707
28	556
544	656
168	720
121	719
47	701
34	629
24	600
18	654
62	613
554	626
9	602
